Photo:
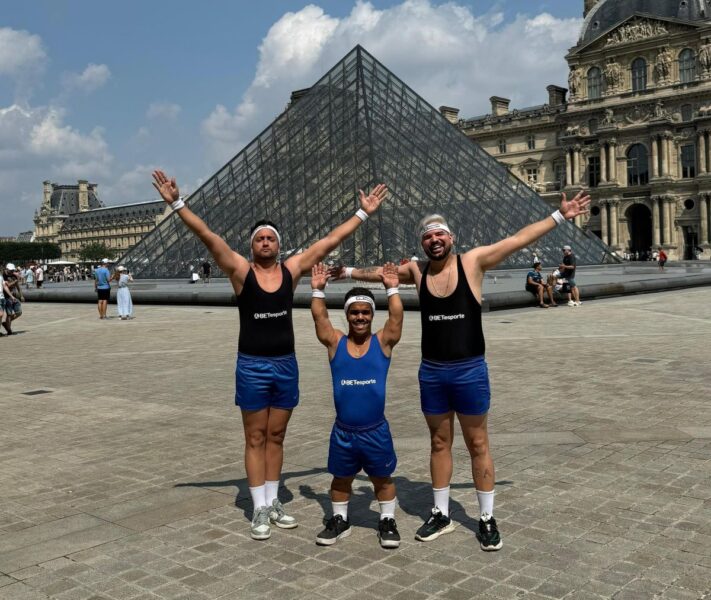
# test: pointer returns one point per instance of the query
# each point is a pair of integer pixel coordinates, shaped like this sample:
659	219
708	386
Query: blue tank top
359	385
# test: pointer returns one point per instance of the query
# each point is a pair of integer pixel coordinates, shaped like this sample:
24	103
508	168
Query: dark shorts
266	381
104	294
39	283
662	263
2	305
571	283
532	288
352	450
13	307
461	386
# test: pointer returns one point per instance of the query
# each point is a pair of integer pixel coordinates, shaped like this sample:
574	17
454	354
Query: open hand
389	276
371	202
167	188
577	206
336	272
319	276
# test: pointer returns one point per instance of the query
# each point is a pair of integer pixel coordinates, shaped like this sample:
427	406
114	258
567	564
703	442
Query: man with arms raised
266	375
360	438
453	374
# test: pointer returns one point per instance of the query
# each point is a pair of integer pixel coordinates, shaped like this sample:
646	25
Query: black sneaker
387	533
435	526
336	529
488	536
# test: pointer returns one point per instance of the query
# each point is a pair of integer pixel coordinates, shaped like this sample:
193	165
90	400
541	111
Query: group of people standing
562	281
453	374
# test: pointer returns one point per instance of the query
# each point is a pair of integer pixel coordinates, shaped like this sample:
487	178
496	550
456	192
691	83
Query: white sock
486	502
259	497
441	500
387	509
340	508
272	491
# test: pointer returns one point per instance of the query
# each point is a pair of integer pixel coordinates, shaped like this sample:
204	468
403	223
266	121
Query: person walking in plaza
536	285
266	373
206	269
13	302
567	271
661	259
360	439
453	374
102	286
124	303
39	276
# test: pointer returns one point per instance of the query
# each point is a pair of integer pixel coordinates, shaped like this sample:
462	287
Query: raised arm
392	330
405	273
302	263
487	257
325	332
232	264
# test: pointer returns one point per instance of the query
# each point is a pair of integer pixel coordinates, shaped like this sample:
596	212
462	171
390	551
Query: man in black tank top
266	373
453	375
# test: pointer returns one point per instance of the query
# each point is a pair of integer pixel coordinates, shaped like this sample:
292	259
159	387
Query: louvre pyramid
357	126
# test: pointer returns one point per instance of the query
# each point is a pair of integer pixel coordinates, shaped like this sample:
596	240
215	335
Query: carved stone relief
574	79
705	59
637	30
613	76
663	65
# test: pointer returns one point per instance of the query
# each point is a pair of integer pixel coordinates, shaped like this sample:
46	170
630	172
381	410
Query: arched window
637	165
687	66
639	75
687	112
594	83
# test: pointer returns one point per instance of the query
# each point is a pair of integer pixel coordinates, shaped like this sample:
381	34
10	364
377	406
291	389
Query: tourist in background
102	286
123	295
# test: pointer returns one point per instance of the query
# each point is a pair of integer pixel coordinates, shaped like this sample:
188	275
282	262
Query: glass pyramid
357	126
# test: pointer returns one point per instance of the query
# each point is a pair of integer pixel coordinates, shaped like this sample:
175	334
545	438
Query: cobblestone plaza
121	471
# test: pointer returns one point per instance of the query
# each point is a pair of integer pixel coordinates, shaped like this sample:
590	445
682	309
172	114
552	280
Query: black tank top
451	326
265	326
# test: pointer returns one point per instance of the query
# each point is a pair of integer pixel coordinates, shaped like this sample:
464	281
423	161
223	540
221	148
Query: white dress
123	297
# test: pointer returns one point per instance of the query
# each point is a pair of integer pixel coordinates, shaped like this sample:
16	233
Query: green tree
94	252
22	252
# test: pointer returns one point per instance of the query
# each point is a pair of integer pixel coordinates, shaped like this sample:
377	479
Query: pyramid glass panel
359	125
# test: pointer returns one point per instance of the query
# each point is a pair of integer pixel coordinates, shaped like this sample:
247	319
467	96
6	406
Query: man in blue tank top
266	374
360	439
453	375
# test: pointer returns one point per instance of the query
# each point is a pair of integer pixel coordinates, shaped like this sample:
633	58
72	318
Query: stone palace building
74	216
633	127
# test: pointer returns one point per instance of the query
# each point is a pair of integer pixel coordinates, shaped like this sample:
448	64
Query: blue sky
109	90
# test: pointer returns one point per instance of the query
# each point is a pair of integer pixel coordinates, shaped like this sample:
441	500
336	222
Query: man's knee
256	438
440	443
276	436
478	444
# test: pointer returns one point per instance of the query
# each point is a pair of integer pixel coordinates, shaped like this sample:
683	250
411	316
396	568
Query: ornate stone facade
73	216
635	129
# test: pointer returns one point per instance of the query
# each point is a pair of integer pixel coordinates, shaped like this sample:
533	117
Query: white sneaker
260	529
571	303
578	303
278	517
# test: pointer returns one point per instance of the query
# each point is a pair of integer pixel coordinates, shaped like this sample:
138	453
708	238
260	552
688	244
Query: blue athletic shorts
460	385
266	381
353	449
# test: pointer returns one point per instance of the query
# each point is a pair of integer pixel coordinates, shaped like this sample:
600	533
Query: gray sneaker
260	529
278	517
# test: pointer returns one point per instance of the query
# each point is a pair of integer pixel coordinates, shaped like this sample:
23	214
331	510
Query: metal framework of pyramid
359	125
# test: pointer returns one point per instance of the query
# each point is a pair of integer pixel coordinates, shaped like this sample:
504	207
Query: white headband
433	226
354	299
258	229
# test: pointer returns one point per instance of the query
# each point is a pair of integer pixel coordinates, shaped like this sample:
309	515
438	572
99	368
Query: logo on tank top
358	381
447	317
283	313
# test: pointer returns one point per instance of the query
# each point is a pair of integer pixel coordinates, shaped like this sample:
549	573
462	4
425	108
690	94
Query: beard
439	258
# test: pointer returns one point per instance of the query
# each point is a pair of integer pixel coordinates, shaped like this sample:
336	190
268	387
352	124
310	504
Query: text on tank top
359	384
265	325
451	326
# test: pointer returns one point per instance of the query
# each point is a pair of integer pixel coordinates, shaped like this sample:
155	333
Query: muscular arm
375	274
325	332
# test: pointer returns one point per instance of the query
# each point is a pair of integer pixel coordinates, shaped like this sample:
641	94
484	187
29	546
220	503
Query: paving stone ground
124	478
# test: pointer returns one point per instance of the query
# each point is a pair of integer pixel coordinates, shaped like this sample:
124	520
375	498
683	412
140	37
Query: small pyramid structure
360	125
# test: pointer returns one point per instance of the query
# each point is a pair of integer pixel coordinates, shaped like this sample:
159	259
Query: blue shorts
352	449
13	307
460	385
266	381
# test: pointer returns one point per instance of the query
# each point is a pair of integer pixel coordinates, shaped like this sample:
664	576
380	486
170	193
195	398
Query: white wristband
177	204
318	294
349	272
392	291
558	217
361	214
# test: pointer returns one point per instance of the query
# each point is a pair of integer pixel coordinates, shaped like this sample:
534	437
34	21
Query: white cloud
163	110
20	51
89	80
444	52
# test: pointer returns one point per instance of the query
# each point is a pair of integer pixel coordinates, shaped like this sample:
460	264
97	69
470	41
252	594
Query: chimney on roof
588	6
83	195
449	113
296	95
47	193
499	105
556	95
